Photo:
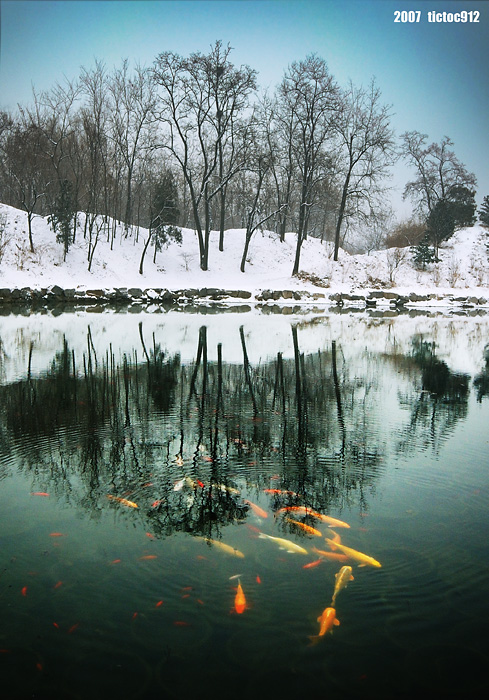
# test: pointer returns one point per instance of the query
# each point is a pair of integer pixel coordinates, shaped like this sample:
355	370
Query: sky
434	75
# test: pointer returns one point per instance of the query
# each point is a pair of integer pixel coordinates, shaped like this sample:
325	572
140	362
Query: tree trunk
341	213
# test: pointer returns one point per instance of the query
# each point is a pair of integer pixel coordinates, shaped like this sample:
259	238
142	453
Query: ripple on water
448	670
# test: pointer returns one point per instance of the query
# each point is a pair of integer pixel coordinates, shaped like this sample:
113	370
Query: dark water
381	423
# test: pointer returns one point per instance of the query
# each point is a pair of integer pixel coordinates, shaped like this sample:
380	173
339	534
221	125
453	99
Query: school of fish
300	523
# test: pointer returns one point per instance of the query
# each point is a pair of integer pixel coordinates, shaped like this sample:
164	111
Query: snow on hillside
464	266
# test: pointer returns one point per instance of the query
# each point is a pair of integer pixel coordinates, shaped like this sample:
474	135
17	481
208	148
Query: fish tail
313	639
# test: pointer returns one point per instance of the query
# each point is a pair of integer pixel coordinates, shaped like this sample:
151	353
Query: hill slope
463	266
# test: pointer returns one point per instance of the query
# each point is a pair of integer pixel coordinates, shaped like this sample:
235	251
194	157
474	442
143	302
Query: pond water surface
149	462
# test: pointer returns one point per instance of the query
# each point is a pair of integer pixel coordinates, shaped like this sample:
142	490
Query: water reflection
171	447
133	423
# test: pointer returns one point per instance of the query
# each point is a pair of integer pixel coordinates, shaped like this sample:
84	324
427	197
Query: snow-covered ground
463	269
460	338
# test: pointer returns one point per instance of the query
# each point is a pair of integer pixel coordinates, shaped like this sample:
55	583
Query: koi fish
256	509
123	501
280	492
222	546
330	555
56	534
306	528
363	559
289	546
147	557
39	493
239	600
333	522
327	620
312	564
24	591
343	577
225	489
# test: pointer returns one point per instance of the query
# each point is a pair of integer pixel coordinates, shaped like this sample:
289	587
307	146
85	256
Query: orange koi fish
39	493
327	620
312	564
239	600
58	585
147	557
343	578
56	534
362	559
306	528
256	509
123	501
335	556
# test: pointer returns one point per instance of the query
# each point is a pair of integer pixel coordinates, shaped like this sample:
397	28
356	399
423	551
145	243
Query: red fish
24	591
147	557
312	564
56	534
73	628
39	493
159	604
58	585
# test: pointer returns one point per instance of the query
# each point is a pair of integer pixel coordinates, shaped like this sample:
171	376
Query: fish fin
336	622
352	578
360	565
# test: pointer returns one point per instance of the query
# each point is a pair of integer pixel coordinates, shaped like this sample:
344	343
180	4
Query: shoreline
55	296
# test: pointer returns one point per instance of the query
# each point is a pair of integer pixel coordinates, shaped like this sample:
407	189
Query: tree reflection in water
139	423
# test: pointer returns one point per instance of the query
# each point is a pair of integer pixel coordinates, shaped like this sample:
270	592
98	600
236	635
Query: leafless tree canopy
311	157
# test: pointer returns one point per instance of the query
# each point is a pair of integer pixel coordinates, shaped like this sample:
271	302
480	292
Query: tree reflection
182	439
441	400
481	381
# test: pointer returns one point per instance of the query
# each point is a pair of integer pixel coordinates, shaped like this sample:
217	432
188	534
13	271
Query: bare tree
437	170
366	150
133	100
199	122
308	104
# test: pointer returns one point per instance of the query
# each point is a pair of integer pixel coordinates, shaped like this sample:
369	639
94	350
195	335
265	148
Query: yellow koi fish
289	546
124	501
333	522
222	546
362	559
306	528
343	578
327	620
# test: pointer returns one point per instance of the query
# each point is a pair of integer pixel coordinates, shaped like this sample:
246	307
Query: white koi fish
289	546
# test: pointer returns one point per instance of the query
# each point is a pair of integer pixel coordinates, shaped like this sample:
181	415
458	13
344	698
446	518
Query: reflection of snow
459	340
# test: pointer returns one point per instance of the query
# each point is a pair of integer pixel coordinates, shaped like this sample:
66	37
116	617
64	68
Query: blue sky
435	75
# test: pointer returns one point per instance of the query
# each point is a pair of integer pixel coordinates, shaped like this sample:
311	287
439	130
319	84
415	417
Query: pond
183	496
